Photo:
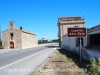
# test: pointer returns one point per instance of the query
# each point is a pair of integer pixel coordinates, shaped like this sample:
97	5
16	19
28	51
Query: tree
39	41
0	43
55	40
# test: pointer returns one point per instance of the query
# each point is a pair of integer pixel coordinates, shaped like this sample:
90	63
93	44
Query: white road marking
22	59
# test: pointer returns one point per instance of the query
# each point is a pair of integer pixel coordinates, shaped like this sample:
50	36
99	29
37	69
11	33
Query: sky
41	16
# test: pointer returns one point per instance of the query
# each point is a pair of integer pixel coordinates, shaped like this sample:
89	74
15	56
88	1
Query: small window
75	26
11	34
11	28
77	42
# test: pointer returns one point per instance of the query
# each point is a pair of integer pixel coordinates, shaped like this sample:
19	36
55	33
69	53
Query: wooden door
11	44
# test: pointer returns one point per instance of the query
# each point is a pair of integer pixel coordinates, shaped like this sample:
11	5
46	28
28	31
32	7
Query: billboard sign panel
76	32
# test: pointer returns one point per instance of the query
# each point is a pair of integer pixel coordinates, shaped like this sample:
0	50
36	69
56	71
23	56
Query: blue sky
41	16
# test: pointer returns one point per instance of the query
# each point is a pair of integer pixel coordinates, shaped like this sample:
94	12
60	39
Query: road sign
76	32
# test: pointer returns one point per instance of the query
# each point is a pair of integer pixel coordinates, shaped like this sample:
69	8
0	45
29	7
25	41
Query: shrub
0	43
1	47
94	67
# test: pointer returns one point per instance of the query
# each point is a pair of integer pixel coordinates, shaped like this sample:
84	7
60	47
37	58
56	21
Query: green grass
64	55
49	57
1	47
44	67
70	59
73	64
80	73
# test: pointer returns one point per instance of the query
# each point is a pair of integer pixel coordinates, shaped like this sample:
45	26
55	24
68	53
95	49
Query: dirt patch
63	62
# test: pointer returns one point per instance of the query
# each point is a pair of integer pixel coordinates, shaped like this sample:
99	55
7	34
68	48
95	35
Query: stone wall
18	39
28	40
6	38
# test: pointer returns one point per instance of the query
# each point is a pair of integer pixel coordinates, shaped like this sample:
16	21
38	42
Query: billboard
76	32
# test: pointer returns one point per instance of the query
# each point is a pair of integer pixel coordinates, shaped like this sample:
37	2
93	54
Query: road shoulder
59	64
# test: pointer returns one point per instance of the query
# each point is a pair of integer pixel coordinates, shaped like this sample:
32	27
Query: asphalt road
26	61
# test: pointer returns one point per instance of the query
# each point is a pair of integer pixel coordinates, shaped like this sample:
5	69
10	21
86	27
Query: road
26	61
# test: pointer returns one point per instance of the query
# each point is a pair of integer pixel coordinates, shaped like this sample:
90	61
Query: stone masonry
17	38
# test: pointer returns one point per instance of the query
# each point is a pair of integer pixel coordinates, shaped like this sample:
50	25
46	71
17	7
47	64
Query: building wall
61	32
63	24
20	39
64	30
64	41
86	54
68	42
71	42
28	40
73	39
6	38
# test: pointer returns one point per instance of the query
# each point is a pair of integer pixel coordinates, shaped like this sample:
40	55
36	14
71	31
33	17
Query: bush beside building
1	47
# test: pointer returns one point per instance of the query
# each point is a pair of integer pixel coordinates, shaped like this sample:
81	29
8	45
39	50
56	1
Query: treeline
45	41
56	40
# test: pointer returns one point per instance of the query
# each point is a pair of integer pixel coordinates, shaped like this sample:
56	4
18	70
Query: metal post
80	51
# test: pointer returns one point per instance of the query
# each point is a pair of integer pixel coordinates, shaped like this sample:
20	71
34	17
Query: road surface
26	61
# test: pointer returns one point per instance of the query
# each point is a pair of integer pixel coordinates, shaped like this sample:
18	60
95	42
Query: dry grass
63	62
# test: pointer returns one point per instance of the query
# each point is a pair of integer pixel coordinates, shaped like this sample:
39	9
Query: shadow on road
52	46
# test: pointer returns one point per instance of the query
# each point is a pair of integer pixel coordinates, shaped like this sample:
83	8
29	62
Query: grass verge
64	62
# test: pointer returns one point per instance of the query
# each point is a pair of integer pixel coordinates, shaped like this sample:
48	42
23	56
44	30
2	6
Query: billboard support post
77	32
80	50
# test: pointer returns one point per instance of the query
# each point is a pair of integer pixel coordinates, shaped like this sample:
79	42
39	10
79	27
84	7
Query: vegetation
1	47
94	67
55	40
0	43
58	60
45	41
63	62
42	42
91	66
70	59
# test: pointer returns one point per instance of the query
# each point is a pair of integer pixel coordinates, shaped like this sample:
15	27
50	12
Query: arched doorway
11	44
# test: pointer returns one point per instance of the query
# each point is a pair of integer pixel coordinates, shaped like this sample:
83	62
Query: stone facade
28	40
17	38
